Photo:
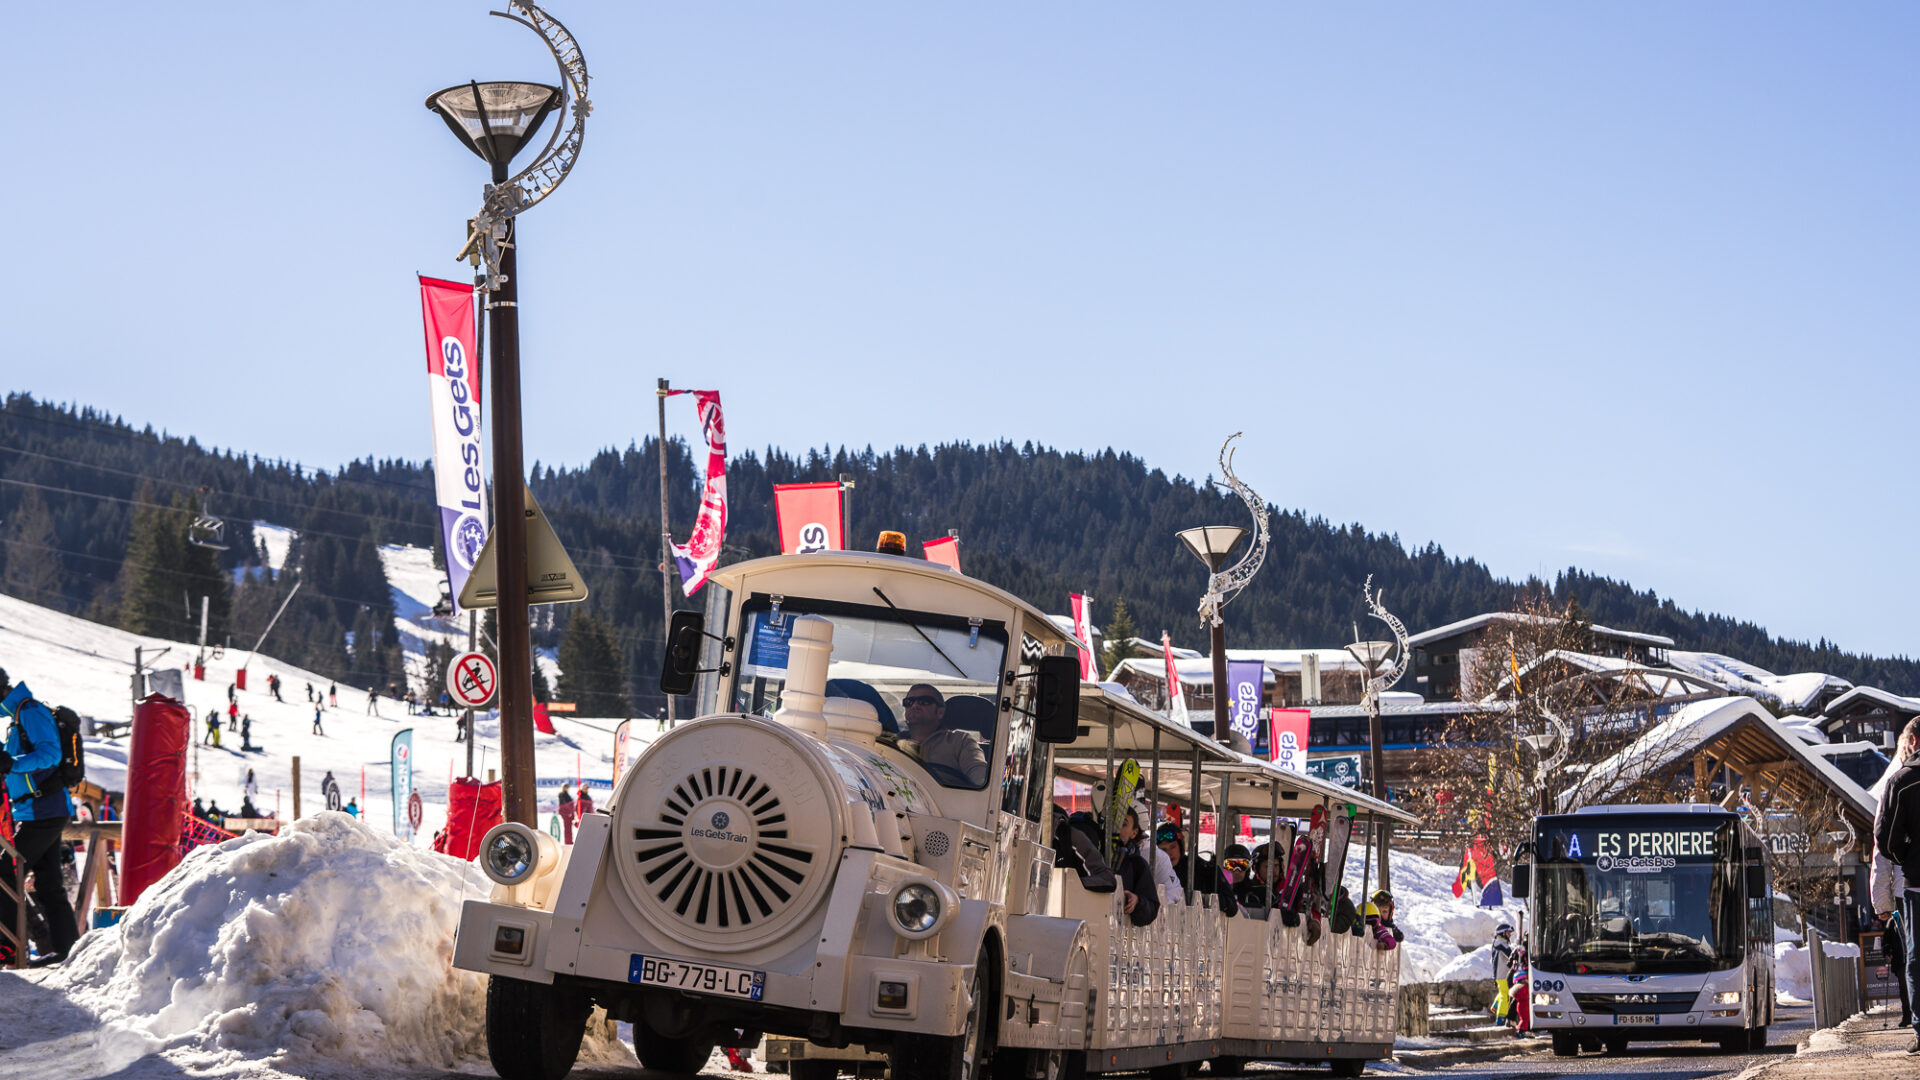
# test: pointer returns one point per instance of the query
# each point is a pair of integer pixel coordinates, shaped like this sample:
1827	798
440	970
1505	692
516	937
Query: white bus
810	858
1648	923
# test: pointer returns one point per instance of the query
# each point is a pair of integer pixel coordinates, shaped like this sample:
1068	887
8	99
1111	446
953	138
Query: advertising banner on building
1342	769
1083	633
1245	679
453	390
809	517
402	758
1176	699
620	750
1289	740
701	553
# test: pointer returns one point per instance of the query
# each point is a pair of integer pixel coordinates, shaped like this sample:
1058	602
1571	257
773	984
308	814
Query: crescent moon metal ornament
501	203
1225	585
1376	607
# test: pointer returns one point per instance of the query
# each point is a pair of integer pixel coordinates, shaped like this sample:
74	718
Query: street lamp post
496	120
1211	544
1372	656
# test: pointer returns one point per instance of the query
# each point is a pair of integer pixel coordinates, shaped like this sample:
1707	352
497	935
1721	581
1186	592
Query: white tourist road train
1648	923
852	844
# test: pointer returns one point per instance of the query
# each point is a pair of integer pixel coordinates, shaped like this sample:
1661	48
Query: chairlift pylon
207	531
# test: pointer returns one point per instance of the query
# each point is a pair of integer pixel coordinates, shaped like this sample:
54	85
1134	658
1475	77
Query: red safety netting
472	809
198	832
157	804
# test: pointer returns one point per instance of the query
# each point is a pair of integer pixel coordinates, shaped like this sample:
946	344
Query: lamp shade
1371	654
1211	544
495	119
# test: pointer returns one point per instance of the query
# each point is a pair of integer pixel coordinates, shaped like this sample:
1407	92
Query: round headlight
916	909
513	854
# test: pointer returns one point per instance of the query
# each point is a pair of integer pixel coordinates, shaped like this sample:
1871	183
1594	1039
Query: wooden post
296	787
490	773
1700	778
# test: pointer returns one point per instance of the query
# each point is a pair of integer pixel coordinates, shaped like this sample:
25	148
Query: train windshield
1637	895
933	679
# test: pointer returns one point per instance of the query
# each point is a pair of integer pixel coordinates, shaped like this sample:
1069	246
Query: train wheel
812	1069
1347	1066
958	1057
1227	1066
534	1030
1565	1045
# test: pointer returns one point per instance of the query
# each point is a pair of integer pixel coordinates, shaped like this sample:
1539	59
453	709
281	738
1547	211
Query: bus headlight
514	854
1727	997
1546	997
920	907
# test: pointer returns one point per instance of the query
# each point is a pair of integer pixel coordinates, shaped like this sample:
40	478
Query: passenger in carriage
1134	839
1166	836
1259	894
1141	896
1237	865
1078	849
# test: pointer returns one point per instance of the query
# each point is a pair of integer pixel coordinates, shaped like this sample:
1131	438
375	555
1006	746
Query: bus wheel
965	1056
534	1030
683	1057
1347	1066
1565	1045
1757	1038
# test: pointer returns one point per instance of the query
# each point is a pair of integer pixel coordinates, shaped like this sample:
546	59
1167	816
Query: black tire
534	1030
1734	1042
1757	1038
1227	1066
1565	1045
814	1069
682	1057
1347	1066
966	1056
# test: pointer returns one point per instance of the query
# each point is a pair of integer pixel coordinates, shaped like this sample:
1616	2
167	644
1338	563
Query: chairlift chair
443	607
207	531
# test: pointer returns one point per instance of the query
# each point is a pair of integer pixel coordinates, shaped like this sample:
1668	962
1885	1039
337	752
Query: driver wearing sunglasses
926	717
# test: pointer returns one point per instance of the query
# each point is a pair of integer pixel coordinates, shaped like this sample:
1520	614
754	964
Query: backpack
71	769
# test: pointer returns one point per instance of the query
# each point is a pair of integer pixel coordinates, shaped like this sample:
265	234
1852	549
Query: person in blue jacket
40	815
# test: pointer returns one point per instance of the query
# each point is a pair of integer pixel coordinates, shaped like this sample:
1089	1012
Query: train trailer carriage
853	844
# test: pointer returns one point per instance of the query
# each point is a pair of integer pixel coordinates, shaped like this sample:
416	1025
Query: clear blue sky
1628	287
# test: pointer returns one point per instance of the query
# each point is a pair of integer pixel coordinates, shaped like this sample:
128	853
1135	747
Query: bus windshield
1637	894
933	679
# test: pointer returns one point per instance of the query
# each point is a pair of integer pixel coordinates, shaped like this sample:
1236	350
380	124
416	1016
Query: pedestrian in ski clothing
1896	834
353	807
333	695
250	789
1503	974
330	790
233	715
583	805
40	814
213	729
274	682
316	722
309	693
246	732
373	702
1167	837
230	696
566	815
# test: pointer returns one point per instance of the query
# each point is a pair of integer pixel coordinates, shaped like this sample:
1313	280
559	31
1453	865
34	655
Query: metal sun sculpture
502	202
1223	586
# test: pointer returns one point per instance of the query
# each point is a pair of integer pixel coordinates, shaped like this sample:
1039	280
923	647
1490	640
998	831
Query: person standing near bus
1502	974
1896	835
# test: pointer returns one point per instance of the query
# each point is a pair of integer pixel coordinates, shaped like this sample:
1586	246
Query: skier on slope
333	695
251	789
316	721
373	702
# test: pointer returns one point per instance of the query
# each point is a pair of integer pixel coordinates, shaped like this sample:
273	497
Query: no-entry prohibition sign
472	679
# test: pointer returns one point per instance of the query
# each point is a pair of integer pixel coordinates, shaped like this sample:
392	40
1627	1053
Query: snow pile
1427	912
1792	974
1471	929
329	942
1468	967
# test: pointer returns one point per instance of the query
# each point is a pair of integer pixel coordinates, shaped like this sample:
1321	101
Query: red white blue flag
453	389
701	553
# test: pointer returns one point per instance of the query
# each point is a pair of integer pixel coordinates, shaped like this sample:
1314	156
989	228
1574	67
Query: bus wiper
922	633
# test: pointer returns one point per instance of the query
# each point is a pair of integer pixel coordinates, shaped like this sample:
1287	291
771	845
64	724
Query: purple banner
1244	679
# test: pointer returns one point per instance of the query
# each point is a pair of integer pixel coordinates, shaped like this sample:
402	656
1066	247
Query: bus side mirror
1522	880
1058	718
682	661
1756	881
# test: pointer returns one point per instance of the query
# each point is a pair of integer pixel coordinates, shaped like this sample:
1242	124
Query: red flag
1289	738
809	516
542	723
1083	633
945	551
1176	701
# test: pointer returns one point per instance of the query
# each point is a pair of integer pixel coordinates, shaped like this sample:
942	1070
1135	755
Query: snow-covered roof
1796	692
1873	694
1197	670
1666	682
1800	690
1689	728
1491	617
